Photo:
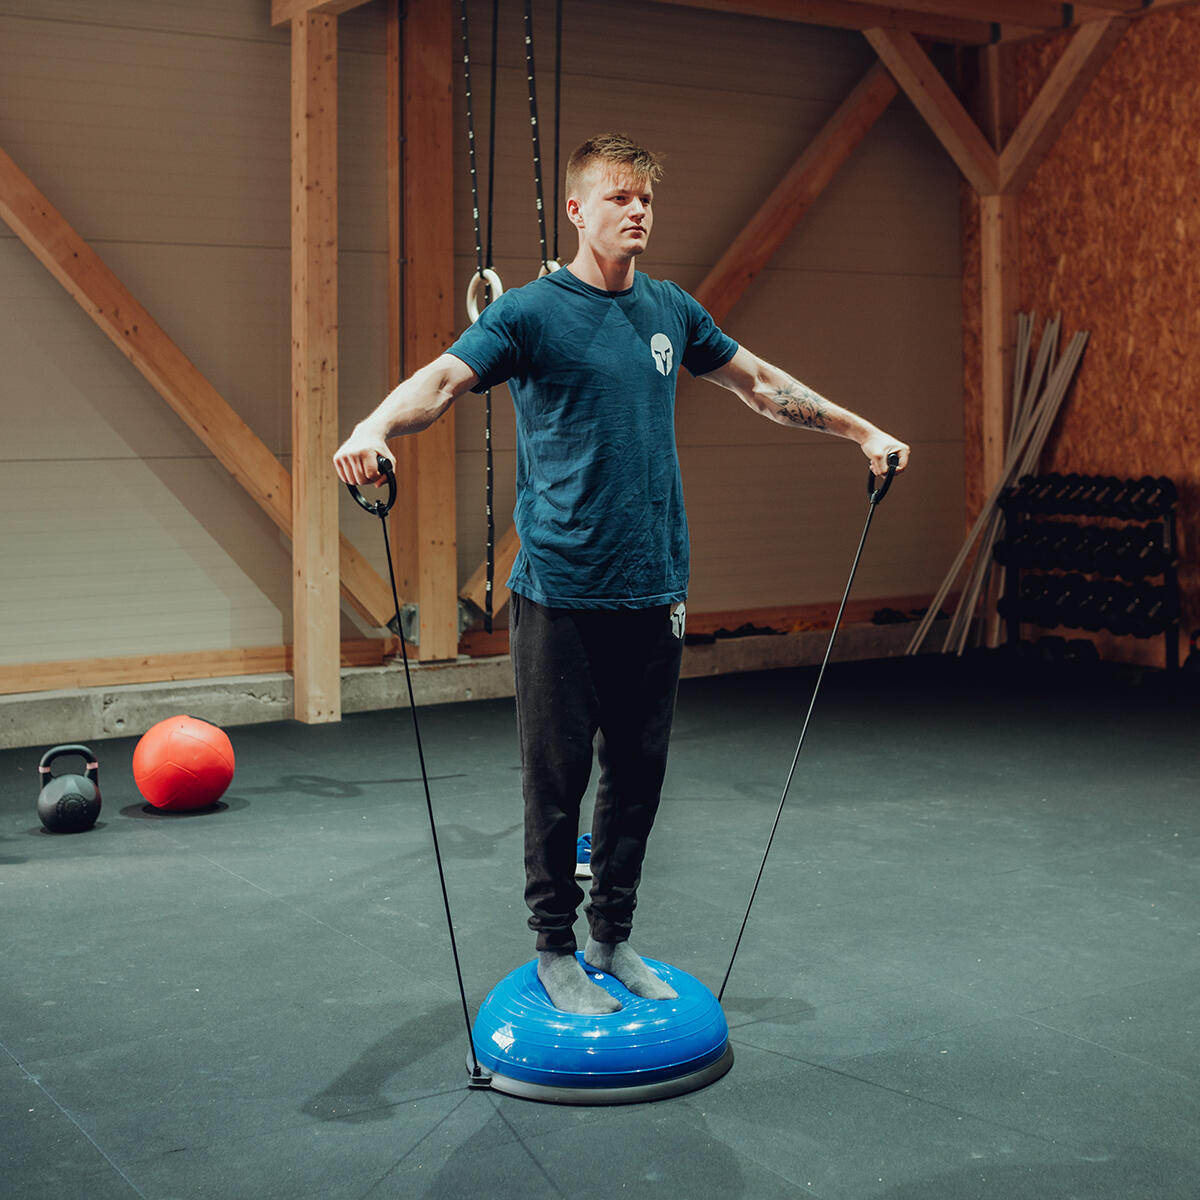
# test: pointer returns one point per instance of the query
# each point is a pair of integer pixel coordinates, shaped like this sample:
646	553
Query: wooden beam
998	114
1133	8
962	22
316	614
1032	14
17	678
395	242
808	177
1057	101
94	287
283	12
402	523
936	102
1000	290
846	14
427	460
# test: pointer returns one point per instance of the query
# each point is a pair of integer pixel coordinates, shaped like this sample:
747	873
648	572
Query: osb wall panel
1110	237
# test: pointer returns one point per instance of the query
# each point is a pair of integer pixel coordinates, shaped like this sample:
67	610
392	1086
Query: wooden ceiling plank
127	324
843	14
1128	7
1153	6
283	12
1057	101
1040	14
933	98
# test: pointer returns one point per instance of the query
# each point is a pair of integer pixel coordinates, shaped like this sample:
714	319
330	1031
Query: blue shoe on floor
583	857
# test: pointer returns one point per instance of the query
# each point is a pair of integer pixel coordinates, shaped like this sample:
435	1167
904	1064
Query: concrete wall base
44	719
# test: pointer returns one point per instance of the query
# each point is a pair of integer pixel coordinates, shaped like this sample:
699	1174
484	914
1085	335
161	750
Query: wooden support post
315	609
395	242
402	523
999	218
1000	280
426	463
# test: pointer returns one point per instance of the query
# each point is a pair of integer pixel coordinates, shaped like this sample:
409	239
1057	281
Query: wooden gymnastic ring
481	279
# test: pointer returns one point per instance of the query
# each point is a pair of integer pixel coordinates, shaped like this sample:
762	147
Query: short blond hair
617	152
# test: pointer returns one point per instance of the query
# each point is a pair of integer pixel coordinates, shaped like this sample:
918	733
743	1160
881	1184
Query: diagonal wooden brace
171	373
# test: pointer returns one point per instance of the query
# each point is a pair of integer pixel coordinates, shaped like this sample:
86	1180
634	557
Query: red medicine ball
183	763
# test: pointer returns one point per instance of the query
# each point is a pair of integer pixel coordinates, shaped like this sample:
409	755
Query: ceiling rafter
934	99
961	22
849	14
283	12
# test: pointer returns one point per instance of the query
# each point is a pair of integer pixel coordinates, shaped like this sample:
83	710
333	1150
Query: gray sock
619	960
569	988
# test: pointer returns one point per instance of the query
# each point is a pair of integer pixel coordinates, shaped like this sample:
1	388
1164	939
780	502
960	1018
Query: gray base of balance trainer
637	1093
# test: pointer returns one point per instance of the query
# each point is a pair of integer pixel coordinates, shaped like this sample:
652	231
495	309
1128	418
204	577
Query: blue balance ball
649	1050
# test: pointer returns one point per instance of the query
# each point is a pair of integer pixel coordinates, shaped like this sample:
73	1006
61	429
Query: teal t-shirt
592	374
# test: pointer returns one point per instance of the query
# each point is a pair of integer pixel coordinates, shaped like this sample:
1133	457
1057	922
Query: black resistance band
381	509
876	494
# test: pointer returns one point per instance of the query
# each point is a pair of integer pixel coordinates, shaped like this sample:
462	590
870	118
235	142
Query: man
591	354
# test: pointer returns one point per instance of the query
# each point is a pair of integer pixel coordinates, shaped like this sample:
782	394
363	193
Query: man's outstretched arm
777	395
412	406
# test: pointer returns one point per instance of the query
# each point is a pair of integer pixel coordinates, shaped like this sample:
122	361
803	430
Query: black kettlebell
69	803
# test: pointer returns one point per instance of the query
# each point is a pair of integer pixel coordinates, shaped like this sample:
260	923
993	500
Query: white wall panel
160	129
161	132
118	559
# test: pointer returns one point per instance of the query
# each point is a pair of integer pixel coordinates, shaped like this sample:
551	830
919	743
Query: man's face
612	213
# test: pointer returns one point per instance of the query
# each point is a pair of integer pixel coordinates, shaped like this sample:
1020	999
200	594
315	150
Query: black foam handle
877	494
378	508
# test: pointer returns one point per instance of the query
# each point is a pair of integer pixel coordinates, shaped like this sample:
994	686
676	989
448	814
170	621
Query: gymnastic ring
549	267
481	279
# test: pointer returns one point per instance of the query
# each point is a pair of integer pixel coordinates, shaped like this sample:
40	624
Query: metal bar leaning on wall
1027	449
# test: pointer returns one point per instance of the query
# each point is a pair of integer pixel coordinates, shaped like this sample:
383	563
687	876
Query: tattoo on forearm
800	405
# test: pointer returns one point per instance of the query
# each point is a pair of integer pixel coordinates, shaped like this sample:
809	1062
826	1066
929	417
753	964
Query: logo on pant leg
678	620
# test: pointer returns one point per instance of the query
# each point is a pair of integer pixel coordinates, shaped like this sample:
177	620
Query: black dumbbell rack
1115	569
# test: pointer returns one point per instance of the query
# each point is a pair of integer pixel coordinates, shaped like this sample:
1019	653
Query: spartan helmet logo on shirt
660	347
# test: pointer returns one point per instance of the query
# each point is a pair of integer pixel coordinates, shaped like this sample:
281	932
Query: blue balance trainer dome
649	1050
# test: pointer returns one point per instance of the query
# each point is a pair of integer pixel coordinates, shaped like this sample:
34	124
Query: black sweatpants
579	673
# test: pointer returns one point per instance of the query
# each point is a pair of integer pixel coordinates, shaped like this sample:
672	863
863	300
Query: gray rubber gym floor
972	970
